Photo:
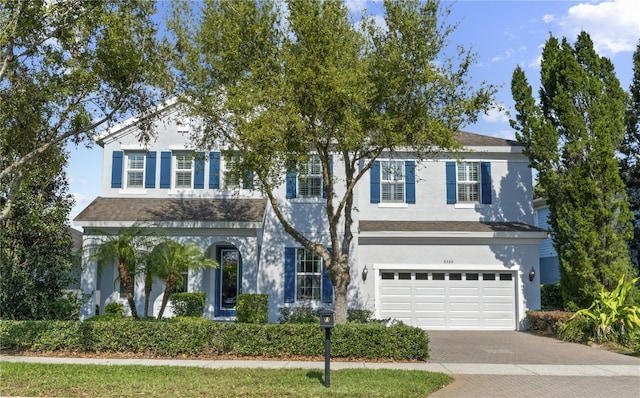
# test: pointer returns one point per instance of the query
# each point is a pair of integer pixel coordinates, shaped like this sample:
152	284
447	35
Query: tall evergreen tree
630	161
35	245
571	137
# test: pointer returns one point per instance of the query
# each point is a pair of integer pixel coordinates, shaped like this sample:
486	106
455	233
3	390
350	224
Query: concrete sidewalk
449	368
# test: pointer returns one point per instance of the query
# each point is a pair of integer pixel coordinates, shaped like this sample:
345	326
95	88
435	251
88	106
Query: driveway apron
520	364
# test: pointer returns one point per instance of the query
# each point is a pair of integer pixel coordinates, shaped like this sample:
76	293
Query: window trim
395	165
128	169
303	179
315	259
174	168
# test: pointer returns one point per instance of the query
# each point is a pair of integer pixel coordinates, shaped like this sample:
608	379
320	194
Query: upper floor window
183	170
310	178
307	181
468	182
234	177
392	181
135	169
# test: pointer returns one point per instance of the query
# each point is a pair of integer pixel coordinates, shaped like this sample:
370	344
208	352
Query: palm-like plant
129	248
171	259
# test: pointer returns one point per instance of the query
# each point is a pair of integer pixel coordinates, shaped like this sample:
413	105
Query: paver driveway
544	362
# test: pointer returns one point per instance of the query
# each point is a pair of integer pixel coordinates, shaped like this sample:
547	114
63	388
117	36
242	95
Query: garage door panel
426	306
465	304
464	291
430	291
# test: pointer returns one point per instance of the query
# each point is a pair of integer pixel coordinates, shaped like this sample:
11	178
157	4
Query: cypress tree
571	137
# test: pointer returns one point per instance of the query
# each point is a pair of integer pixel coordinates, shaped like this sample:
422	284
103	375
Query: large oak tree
67	70
282	81
571	136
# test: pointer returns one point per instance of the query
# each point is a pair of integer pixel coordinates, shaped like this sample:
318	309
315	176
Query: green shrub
114	308
576	331
610	317
551	297
303	313
188	304
359	315
194	337
547	323
252	308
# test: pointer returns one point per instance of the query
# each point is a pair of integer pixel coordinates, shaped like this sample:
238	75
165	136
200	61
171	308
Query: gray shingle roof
183	209
446	226
473	139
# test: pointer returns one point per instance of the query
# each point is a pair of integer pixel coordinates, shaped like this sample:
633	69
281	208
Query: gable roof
173	210
473	139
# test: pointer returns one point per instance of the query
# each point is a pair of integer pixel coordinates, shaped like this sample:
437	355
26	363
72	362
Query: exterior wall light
365	272
532	274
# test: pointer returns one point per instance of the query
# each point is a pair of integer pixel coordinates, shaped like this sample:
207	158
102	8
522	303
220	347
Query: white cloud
497	114
548	18
79	198
507	54
614	26
535	63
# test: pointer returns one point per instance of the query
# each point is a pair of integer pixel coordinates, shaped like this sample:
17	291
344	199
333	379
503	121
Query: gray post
327	356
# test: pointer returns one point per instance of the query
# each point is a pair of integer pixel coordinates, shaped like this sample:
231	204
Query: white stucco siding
511	194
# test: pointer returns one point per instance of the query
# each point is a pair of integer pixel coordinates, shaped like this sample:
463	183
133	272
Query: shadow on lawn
314	374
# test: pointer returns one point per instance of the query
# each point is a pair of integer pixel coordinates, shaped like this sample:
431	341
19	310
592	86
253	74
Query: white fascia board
124	127
446	267
394	235
171	224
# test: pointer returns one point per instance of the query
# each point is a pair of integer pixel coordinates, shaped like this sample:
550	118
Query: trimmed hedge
194	337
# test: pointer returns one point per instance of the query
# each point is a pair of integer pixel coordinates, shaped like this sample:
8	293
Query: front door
229	281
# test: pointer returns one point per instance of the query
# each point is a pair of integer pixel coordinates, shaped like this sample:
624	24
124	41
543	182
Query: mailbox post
327	322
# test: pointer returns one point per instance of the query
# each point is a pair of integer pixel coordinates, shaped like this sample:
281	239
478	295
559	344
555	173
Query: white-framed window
230	178
308	275
310	178
135	169
468	182
392	181
183	170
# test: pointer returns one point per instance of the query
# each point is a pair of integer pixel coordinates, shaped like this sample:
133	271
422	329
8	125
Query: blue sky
503	33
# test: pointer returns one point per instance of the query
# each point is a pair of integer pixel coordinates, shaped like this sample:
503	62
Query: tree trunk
171	280
128	285
147	295
340	285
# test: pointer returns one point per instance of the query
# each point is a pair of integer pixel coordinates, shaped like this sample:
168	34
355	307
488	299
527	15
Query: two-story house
441	243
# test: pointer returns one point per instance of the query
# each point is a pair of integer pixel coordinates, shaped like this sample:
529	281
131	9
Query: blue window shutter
198	178
374	174
116	169
452	193
150	177
214	170
165	169
485	181
289	274
410	181
327	286
324	191
291	184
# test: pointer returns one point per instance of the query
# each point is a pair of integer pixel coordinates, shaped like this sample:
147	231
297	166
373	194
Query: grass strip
62	380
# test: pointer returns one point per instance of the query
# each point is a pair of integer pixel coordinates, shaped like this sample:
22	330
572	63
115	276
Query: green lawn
26	379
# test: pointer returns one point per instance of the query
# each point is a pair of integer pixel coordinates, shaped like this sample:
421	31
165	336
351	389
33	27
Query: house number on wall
448	261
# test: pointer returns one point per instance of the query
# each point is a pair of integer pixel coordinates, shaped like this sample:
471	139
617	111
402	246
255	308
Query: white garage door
449	300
